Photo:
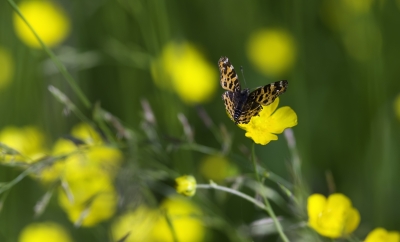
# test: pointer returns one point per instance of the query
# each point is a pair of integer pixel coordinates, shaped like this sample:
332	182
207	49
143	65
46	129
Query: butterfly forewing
267	94
228	77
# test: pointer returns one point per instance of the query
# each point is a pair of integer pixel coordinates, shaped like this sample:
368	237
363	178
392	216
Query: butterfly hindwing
229	103
228	77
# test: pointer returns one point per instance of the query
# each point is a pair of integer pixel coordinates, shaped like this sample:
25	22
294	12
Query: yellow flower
48	20
44	232
28	141
382	235
272	51
136	224
186	185
86	133
333	217
263	128
217	168
94	197
103	157
191	76
7	68
186	221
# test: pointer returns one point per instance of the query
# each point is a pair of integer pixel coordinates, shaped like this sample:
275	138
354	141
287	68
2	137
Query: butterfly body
241	104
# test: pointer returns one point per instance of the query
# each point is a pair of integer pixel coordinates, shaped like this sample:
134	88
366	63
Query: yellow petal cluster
44	232
186	185
136	224
48	20
29	141
217	168
7	68
262	129
382	235
185	218
332	217
88	171
184	69
150	224
272	51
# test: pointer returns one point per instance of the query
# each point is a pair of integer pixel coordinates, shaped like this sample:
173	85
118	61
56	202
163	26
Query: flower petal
282	119
261	138
352	222
315	205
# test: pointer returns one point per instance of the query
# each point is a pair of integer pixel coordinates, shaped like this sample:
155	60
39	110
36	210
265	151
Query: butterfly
241	104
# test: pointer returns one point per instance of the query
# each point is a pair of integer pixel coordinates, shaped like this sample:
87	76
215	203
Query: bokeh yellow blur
47	18
272	51
184	69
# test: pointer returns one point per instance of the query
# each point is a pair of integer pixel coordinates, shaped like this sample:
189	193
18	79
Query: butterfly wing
267	94
250	109
264	95
228	77
229	104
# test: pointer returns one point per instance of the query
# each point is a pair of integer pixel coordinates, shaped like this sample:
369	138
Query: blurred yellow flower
263	128
191	76
397	106
333	217
7	67
28	141
86	133
272	51
137	224
44	232
186	185
217	168
48	20
186	221
103	157
94	197
382	235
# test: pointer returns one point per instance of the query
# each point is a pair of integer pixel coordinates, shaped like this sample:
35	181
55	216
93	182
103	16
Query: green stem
268	207
53	57
232	191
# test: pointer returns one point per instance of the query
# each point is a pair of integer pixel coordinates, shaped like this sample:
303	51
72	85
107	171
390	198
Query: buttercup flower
382	235
91	153
333	217
86	133
263	128
135	225
48	20
190	75
217	168
186	185
28	141
272	51
7	68
44	232
94	197
185	218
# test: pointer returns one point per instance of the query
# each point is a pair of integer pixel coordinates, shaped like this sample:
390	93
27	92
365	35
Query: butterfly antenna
241	69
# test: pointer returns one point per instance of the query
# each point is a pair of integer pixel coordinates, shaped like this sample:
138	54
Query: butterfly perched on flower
241	104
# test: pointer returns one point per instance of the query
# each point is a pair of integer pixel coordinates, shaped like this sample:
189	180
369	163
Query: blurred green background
341	58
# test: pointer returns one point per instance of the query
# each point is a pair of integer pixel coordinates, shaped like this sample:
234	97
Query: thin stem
268	207
53	57
232	191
